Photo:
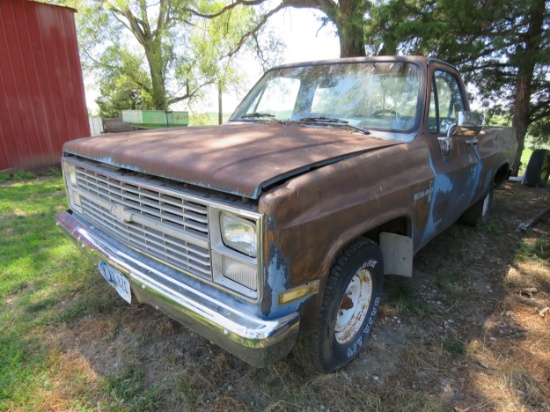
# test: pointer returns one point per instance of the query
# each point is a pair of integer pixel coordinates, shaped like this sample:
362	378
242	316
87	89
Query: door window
445	102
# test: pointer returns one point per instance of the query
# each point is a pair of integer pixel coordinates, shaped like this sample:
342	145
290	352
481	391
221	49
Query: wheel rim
354	307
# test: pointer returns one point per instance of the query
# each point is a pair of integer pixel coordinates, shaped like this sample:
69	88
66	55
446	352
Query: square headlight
239	234
70	173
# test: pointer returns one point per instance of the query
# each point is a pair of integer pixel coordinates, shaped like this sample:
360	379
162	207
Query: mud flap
398	254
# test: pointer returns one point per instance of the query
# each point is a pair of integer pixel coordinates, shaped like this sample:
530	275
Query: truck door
454	161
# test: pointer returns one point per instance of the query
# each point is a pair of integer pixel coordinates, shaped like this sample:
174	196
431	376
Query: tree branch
540	111
224	9
189	93
285	3
253	32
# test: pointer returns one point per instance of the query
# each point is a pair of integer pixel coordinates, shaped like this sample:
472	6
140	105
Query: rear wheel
538	168
479	212
349	307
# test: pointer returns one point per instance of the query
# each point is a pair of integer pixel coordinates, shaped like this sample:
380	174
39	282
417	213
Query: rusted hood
237	158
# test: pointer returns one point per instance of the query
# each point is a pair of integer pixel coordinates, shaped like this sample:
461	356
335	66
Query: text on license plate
117	280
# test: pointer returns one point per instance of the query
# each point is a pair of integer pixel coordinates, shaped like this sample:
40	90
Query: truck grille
163	224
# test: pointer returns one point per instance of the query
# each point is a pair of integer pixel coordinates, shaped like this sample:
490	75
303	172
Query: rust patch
346	303
237	159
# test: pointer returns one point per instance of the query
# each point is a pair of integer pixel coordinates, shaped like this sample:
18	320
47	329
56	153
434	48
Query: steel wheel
347	312
353	307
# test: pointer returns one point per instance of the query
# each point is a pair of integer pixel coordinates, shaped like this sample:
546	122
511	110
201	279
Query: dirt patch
468	332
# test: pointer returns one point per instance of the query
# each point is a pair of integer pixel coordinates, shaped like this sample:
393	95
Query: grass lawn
467	332
40	272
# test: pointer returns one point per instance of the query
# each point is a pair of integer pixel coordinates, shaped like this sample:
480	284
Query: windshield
383	96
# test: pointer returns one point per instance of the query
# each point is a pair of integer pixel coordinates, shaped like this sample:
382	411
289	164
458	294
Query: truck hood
240	159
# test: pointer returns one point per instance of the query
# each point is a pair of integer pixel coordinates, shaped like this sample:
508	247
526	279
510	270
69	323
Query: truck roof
422	60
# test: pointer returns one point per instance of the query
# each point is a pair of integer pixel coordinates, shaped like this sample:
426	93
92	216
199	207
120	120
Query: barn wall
42	101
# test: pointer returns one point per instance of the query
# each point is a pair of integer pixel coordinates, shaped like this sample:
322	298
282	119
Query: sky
299	30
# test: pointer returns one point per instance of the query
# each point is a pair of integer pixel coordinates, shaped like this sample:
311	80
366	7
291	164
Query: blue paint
442	185
475	173
277	279
448	193
271	223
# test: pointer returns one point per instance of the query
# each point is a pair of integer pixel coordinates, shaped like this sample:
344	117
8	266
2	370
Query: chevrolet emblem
121	213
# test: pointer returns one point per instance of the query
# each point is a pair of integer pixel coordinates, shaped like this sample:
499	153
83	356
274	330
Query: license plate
116	280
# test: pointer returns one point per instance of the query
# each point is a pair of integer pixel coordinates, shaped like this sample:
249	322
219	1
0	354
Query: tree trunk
156	69
349	20
521	117
349	46
526	67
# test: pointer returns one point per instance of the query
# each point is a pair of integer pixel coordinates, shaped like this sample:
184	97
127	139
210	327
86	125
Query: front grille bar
171	229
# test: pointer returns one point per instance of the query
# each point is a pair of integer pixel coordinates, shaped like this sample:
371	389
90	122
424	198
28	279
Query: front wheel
348	310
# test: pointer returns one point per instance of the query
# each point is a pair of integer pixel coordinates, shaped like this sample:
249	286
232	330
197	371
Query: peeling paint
277	282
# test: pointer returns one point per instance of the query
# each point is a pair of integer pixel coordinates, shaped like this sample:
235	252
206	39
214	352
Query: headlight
238	234
70	173
69	170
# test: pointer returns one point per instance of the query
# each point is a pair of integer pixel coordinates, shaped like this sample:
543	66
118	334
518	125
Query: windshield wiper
335	121
323	119
255	115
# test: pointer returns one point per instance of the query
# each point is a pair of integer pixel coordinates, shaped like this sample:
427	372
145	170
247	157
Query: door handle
472	142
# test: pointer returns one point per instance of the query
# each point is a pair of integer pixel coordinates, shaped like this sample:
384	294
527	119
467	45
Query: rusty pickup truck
274	231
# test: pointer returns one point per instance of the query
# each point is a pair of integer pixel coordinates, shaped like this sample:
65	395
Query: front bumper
257	341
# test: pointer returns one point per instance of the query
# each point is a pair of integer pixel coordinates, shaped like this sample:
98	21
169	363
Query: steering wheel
385	112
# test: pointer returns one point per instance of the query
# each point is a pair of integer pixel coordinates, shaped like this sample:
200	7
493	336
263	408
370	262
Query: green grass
540	249
4	176
525	155
206	119
39	269
454	346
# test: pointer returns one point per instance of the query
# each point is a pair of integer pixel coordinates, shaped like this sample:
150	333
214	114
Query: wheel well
502	174
399	226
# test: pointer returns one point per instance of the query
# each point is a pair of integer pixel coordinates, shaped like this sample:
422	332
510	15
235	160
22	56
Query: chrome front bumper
257	341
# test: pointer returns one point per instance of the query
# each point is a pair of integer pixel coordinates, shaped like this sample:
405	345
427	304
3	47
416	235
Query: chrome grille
167	227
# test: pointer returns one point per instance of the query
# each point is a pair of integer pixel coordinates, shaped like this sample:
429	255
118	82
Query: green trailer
153	119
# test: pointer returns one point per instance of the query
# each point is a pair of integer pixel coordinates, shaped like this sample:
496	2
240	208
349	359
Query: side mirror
468	123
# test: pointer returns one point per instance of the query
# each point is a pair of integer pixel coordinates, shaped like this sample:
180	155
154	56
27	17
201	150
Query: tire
479	212
348	310
538	169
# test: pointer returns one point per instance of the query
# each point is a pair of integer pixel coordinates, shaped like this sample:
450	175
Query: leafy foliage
151	54
501	48
123	85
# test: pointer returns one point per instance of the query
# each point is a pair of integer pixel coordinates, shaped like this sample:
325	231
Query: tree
120	94
216	43
154	46
347	15
119	91
503	48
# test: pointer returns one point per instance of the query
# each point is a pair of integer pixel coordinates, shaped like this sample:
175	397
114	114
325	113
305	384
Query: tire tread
308	345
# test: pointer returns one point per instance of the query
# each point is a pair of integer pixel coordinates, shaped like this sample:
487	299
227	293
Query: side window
445	102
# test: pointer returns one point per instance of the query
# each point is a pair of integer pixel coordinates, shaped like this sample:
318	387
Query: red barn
42	102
